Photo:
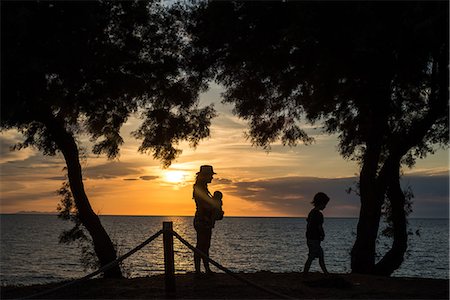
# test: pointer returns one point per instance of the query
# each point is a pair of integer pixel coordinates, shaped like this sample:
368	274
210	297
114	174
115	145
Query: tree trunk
393	259
371	195
103	247
364	249
363	252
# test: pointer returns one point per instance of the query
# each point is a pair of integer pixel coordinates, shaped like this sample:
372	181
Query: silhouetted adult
203	220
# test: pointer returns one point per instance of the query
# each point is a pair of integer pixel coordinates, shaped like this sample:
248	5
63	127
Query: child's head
218	195
320	200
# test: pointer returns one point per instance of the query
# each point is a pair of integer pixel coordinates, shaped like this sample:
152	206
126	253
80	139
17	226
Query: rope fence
102	269
228	271
169	266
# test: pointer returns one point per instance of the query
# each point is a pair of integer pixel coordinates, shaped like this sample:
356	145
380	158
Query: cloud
27	199
8	139
431	185
222	181
111	170
27	163
437	171
148	177
292	195
59	178
431	195
11	187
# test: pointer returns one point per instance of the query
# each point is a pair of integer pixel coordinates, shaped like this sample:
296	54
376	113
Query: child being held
315	233
217	212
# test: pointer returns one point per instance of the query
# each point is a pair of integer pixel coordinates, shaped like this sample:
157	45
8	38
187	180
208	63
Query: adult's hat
206	170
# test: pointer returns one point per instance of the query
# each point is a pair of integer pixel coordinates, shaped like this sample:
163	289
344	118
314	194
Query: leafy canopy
371	72
90	65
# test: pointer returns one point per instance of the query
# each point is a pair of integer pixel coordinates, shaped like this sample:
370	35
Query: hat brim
206	173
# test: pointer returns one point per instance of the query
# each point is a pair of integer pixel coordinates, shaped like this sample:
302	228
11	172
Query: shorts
314	248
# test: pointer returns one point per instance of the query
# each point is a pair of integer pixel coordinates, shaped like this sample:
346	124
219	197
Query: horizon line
116	215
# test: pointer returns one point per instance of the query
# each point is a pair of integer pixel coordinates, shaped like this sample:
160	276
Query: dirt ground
222	286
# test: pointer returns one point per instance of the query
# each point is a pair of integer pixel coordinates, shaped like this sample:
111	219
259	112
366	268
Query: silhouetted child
315	233
217	212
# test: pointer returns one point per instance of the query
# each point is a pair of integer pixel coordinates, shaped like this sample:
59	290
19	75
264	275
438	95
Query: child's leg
308	264
322	262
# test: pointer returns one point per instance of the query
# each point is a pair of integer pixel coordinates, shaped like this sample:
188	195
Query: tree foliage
281	62
91	65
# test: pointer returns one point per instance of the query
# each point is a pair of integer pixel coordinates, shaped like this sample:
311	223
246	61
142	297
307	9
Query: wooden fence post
169	262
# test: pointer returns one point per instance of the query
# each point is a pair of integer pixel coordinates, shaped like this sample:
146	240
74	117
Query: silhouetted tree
71	68
374	73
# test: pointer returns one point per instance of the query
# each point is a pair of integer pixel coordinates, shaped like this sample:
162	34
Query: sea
31	254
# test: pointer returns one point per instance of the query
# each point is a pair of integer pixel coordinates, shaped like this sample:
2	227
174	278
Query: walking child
315	233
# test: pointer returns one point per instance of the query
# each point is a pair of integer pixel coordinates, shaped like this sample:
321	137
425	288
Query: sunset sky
254	182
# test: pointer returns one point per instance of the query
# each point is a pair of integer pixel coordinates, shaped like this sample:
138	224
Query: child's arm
322	232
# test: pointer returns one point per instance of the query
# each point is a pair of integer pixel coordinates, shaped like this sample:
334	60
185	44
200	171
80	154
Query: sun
174	176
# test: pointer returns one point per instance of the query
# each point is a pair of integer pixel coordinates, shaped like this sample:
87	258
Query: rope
229	272
139	247
102	269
